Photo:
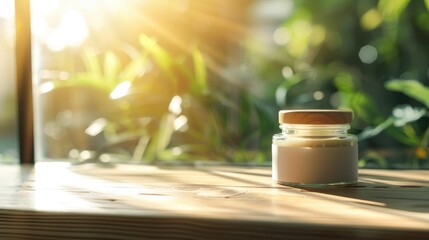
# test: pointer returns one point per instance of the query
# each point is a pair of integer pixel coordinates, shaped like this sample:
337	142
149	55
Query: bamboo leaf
91	62
135	68
111	68
200	72
163	59
162	138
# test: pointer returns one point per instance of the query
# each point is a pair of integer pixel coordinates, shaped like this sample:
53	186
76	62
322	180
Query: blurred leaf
405	134
163	59
200	84
91	62
399	134
427	4
425	139
162	138
411	133
403	131
282	89
291	81
111	68
362	105
392	9
411	88
224	100
372	158
135	68
344	82
374	131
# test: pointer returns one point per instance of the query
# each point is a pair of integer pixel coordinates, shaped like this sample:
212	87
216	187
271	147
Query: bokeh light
368	54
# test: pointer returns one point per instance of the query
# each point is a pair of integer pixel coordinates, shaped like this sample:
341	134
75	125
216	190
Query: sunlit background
198	81
8	120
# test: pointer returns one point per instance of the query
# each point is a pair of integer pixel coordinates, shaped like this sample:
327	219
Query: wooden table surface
58	201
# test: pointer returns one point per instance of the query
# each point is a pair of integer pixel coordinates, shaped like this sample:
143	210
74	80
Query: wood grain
315	116
55	201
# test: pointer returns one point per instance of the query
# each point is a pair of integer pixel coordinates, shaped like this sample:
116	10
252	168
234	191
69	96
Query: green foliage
405	117
200	84
402	123
325	43
111	68
161	138
104	72
391	10
316	58
411	88
164	108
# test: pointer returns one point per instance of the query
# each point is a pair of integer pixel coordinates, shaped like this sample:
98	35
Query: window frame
24	82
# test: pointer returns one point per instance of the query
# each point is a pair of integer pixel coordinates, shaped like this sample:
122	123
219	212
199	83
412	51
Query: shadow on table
402	192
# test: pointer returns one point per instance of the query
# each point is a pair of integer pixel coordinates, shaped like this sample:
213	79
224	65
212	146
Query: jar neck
315	129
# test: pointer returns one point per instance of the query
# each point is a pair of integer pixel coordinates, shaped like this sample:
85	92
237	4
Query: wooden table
57	201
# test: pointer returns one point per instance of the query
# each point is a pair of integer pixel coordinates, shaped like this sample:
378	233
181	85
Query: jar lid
315	116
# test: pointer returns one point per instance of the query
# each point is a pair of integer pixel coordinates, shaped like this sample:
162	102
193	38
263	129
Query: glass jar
314	149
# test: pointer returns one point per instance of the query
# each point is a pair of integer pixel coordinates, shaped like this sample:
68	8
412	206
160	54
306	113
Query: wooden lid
315	116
